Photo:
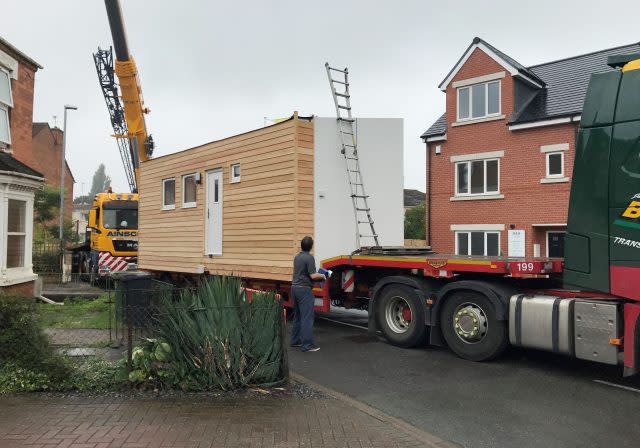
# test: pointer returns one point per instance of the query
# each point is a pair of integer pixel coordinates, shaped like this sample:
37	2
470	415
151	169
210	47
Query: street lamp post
62	172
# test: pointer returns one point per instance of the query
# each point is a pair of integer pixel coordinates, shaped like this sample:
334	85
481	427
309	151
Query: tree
415	223
101	181
46	204
85	199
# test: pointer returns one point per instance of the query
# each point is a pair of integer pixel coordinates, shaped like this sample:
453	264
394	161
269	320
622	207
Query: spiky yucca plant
220	340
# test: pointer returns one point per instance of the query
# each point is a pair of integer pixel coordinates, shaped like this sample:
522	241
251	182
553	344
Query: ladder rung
349	120
365	222
348	145
346	133
344	107
352	158
337	70
368	236
343	95
363	209
359	196
340	82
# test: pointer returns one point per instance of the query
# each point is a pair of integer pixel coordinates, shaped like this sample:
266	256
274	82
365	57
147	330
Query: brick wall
21	114
526	201
47	146
25	289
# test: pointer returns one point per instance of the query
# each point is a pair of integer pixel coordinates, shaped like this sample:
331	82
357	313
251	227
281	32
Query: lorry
586	305
111	244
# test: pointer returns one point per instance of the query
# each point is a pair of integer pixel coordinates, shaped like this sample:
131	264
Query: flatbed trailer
478	306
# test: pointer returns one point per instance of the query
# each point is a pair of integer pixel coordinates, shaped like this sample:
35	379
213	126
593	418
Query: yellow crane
112	230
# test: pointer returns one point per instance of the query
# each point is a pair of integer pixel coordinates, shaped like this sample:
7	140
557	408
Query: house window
477	177
235	173
479	100
168	194
189	191
478	243
555	164
6	101
16	233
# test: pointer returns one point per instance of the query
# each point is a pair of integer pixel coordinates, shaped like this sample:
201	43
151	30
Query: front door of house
214	213
555	244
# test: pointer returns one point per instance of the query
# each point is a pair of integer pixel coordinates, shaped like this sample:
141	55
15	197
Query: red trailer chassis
426	286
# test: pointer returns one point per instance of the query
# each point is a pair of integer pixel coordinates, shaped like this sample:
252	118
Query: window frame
469	232
484	167
4	109
10	89
24	234
166	206
235	179
486	105
184	190
548	175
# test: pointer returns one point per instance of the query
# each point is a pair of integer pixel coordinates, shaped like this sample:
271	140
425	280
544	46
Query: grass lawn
77	313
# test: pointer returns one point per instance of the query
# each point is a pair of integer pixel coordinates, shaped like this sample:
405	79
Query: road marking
619	386
343	323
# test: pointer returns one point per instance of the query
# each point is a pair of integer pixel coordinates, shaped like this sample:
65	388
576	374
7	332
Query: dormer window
479	101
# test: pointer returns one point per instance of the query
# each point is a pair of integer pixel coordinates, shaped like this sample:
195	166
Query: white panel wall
380	148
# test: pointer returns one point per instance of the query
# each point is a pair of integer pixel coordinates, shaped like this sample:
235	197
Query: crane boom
127	115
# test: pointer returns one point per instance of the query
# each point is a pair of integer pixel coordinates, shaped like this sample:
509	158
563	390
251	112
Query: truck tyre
470	327
401	316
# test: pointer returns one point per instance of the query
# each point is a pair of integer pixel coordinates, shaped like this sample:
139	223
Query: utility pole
62	172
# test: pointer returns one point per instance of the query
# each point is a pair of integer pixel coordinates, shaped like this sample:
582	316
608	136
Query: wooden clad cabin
241	205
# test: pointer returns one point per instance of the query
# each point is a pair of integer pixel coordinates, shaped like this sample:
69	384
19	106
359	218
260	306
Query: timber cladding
264	215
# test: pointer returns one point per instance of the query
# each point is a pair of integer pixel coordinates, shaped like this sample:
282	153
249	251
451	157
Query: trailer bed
445	265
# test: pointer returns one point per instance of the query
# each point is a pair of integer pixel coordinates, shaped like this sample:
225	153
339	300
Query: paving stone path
250	422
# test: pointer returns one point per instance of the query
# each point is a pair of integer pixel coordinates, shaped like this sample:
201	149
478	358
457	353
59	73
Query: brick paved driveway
81	422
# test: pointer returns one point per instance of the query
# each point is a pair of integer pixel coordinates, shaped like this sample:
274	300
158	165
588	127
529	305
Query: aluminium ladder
359	197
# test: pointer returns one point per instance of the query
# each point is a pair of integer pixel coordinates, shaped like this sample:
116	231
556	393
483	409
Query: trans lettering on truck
118	233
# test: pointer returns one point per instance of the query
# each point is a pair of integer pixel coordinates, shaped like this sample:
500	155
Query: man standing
304	273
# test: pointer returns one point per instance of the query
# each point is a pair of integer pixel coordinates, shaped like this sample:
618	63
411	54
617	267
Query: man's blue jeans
303	301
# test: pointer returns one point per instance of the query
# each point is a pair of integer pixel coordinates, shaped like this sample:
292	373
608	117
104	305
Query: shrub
28	362
23	344
213	338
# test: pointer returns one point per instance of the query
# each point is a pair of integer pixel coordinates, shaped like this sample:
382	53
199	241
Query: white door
214	213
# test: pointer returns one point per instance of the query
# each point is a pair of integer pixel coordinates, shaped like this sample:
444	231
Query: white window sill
477	197
189	205
554	180
168	207
478	120
15	276
234	181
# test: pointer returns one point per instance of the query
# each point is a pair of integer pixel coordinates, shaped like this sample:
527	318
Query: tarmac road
524	399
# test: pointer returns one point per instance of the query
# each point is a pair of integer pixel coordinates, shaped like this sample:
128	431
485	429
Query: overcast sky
211	69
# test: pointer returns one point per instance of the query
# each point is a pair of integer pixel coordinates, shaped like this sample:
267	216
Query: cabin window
235	173
168	194
6	102
189	191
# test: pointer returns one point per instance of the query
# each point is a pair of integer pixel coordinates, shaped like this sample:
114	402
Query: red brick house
47	149
18	180
499	160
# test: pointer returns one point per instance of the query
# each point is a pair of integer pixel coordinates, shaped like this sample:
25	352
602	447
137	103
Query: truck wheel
470	327
401	316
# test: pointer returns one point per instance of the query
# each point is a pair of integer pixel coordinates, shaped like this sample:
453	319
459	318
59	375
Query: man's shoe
314	348
296	345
